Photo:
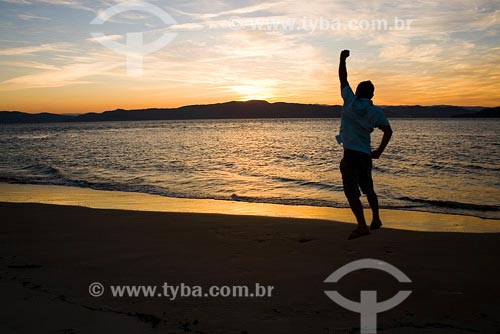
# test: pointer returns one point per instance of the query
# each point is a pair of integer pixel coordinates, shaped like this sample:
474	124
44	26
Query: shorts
356	169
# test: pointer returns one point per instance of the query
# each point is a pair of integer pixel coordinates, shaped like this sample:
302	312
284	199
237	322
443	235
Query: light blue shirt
359	118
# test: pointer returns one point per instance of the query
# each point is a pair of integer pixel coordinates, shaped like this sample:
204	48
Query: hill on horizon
244	110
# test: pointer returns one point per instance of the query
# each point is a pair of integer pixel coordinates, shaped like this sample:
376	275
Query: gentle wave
306	183
37	173
34	136
452	204
49	175
285	201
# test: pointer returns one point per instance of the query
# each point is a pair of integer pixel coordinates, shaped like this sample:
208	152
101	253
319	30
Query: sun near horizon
419	53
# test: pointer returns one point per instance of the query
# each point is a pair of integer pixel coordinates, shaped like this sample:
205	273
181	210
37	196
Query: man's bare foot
375	225
358	233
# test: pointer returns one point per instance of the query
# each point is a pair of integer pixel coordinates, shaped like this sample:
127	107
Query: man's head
365	90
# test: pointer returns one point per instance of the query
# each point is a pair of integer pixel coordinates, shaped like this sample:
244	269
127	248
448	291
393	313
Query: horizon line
245	101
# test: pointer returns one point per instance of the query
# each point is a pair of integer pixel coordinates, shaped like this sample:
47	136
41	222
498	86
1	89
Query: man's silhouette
359	118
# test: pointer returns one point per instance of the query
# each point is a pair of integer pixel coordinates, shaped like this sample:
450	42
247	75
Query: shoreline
102	199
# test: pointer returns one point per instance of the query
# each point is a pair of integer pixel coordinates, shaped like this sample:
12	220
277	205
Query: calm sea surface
450	166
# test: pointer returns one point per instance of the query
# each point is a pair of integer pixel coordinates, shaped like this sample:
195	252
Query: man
359	118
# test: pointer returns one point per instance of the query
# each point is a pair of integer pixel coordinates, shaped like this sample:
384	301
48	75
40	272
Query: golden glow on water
290	162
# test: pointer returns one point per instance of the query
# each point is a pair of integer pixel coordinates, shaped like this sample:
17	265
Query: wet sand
99	199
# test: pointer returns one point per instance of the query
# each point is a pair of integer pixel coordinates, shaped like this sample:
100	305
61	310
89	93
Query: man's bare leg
373	200
357	209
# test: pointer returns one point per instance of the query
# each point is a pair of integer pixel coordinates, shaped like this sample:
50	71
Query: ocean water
450	166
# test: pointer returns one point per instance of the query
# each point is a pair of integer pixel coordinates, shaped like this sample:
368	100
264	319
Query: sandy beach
50	254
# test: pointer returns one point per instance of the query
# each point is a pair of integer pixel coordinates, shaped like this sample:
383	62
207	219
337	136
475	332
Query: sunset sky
429	52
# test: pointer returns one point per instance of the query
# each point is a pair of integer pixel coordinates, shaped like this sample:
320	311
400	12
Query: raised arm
343	69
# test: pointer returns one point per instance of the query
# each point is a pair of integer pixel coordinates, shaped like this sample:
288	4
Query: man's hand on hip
376	154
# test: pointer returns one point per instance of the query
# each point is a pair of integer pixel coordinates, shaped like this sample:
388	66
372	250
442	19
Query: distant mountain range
248	109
